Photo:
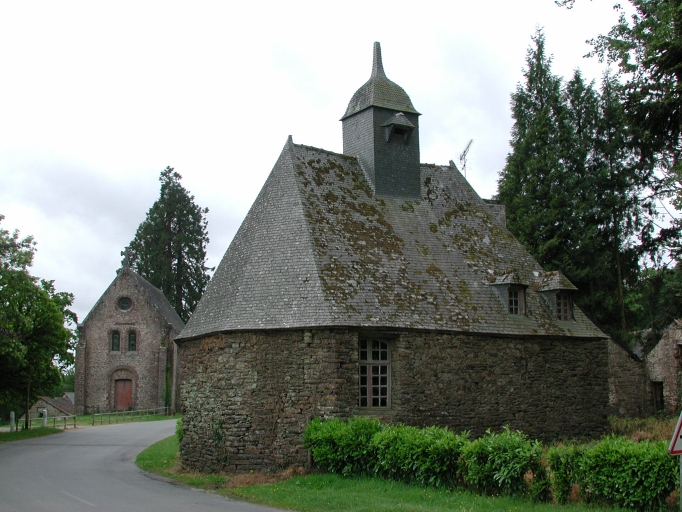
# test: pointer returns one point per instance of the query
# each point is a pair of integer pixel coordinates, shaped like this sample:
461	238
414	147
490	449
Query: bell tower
381	128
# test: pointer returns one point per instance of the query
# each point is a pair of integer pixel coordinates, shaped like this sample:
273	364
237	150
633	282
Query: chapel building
126	354
368	283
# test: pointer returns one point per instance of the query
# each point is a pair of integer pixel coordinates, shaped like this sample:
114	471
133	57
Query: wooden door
123	394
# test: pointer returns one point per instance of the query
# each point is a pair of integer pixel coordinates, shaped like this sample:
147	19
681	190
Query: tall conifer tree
169	248
529	181
575	194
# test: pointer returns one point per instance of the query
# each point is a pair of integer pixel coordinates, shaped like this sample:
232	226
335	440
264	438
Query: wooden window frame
374	373
115	341
564	306
516	300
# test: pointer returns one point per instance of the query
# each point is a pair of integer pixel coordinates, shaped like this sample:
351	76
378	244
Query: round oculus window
124	303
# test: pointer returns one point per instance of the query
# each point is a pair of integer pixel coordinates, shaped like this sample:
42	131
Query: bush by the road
615	471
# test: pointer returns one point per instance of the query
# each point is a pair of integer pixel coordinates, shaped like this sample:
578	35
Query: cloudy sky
97	98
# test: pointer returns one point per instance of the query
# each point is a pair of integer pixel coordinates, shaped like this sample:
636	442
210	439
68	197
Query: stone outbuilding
368	283
54	406
125	358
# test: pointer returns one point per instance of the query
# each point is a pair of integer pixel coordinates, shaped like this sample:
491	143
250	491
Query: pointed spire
377	64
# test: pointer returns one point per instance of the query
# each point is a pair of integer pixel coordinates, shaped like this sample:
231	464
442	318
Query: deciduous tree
35	337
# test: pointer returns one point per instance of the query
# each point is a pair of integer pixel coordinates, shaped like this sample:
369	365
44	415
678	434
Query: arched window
115	341
132	340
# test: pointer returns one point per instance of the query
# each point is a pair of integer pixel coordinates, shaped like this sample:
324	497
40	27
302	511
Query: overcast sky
97	98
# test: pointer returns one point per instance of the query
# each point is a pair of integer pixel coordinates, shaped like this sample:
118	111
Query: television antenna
463	158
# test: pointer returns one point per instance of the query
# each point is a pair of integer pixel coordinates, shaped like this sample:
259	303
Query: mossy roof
379	91
319	249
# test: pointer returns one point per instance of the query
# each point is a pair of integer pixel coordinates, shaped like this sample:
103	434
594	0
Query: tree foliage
169	247
575	193
35	337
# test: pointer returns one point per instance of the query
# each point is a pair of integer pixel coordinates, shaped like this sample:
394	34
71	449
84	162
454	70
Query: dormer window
511	290
398	128
564	306
558	293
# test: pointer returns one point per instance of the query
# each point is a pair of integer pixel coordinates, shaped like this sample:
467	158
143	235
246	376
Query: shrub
428	456
633	475
342	447
179	432
507	462
564	462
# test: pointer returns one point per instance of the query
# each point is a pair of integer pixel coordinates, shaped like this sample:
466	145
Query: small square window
374	374
115	341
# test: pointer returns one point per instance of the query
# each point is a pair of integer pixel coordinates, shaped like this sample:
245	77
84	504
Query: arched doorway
123	393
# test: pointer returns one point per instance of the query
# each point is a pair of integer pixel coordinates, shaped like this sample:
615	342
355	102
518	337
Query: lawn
331	493
28	434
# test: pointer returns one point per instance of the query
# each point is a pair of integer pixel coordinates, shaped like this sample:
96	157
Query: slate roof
379	91
156	298
59	402
318	249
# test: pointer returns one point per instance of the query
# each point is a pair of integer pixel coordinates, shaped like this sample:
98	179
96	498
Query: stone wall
627	383
248	396
663	365
98	366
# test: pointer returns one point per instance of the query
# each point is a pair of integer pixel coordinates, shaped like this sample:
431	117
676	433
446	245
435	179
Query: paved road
93	469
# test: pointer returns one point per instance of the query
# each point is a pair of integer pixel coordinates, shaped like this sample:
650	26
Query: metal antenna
463	158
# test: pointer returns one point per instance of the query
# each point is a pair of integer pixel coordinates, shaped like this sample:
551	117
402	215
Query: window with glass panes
515	298
563	306
132	340
115	341
375	372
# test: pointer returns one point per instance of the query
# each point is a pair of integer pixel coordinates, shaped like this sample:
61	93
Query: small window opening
515	300
124	303
374	374
132	340
564	306
657	391
115	341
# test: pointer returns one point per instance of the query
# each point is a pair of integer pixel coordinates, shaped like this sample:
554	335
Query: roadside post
45	418
675	448
12	424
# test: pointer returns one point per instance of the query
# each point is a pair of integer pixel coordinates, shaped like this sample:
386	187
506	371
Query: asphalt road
93	469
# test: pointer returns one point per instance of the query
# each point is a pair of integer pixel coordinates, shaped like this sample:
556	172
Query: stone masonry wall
248	396
663	365
97	366
627	383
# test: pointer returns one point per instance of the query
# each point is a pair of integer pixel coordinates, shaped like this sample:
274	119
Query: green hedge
614	472
342	447
507	462
428	456
626	474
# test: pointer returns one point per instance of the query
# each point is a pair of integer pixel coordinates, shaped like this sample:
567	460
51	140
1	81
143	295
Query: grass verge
6	437
332	493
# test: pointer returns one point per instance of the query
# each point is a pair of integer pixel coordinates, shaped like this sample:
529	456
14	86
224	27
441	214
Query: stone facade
627	383
144	357
259	389
663	369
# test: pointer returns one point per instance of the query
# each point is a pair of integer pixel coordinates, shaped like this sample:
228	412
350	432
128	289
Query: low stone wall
248	396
